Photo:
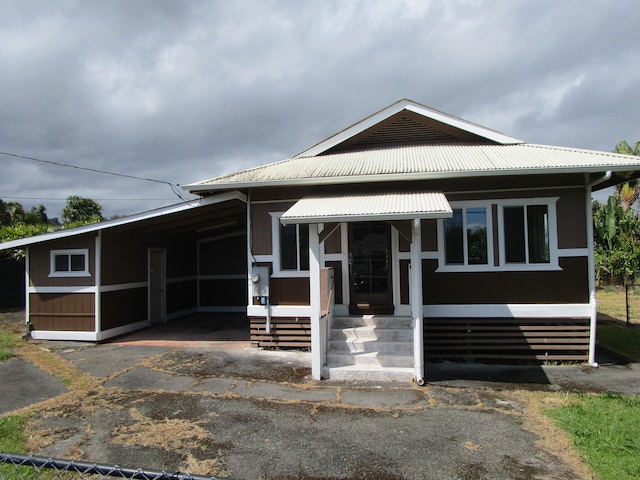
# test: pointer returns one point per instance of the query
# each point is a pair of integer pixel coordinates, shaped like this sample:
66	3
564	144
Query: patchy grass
611	303
11	329
624	340
605	429
12	438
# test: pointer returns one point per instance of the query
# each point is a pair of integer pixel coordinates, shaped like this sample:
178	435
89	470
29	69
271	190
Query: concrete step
371	374
358	346
377	321
367	334
370	359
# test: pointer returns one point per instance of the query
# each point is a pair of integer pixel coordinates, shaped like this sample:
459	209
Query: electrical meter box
259	279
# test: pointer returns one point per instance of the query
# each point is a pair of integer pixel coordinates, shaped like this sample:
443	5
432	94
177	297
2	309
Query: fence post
626	299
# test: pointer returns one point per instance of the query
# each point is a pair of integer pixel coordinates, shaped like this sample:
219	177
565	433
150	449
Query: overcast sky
181	91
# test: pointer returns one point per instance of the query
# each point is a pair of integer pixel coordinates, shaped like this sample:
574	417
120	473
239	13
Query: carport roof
163	213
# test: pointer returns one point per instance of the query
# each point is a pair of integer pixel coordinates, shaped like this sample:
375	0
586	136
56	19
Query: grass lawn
613	332
606	430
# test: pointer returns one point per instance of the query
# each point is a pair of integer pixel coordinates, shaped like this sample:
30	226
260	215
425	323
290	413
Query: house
410	237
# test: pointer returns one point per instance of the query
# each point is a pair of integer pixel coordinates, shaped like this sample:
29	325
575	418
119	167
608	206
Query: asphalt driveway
245	413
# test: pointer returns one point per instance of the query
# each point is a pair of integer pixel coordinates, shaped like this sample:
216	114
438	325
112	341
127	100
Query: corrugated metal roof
423	162
378	206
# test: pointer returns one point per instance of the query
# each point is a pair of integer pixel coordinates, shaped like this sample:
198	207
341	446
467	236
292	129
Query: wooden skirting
285	332
506	339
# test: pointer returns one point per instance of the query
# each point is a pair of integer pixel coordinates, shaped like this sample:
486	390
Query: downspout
592	269
416	300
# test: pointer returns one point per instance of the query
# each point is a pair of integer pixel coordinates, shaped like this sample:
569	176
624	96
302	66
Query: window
526	234
465	237
69	263
294	247
499	235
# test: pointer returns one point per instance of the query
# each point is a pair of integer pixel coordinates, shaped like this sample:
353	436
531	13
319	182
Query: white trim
71	289
121	330
415	299
98	271
430	255
573	252
27	283
276	271
318	339
116	287
64	335
261	259
53	273
279	311
565	310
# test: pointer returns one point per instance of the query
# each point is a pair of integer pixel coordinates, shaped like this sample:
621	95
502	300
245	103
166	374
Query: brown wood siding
333	243
181	295
429	230
501	339
223	293
62	311
40	262
285	332
261	226
123	307
124	258
569	285
572	219
224	256
337	279
289	291
182	259
404	281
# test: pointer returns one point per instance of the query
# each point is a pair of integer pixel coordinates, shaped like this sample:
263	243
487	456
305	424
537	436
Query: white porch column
314	302
416	300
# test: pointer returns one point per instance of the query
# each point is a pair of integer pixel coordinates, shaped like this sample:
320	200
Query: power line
94	170
97	199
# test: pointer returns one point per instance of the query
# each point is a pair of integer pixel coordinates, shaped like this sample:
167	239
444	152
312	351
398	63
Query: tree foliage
616	229
81	211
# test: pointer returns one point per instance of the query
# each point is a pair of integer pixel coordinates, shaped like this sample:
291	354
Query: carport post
314	302
416	300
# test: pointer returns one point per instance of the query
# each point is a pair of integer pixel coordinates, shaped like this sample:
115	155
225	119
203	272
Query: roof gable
407	123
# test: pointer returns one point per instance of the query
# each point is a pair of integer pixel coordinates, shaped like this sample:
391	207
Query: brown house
410	237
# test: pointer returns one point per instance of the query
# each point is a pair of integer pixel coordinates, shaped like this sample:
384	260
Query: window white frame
275	242
502	265
466	267
84	252
550	203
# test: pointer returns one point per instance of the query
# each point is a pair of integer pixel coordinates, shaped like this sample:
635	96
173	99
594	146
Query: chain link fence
632	299
14	466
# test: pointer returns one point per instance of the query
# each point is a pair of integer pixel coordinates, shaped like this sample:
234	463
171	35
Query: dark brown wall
40	261
572	219
224	256
123	307
261	226
289	291
333	243
214	293
124	258
63	311
181	295
570	285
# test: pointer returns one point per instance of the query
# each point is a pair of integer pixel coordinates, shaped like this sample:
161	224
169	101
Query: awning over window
368	207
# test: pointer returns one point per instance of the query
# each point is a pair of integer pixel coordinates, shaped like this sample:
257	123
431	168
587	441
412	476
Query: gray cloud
183	91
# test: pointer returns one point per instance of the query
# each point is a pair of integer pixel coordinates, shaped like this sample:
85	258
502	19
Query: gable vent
404	130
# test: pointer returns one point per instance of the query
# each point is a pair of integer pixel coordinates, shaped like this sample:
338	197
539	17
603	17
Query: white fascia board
171	209
368	218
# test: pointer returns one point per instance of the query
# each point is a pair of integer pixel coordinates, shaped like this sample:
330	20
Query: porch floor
222	330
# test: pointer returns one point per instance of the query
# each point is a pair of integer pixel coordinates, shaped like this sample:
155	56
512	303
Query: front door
369	268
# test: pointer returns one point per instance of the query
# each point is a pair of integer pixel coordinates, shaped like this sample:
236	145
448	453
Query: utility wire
173	186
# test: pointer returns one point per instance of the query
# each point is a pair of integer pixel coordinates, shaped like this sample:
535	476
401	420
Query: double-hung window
290	248
465	238
69	263
294	247
526	234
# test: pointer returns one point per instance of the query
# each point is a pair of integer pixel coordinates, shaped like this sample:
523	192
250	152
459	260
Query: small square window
69	263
